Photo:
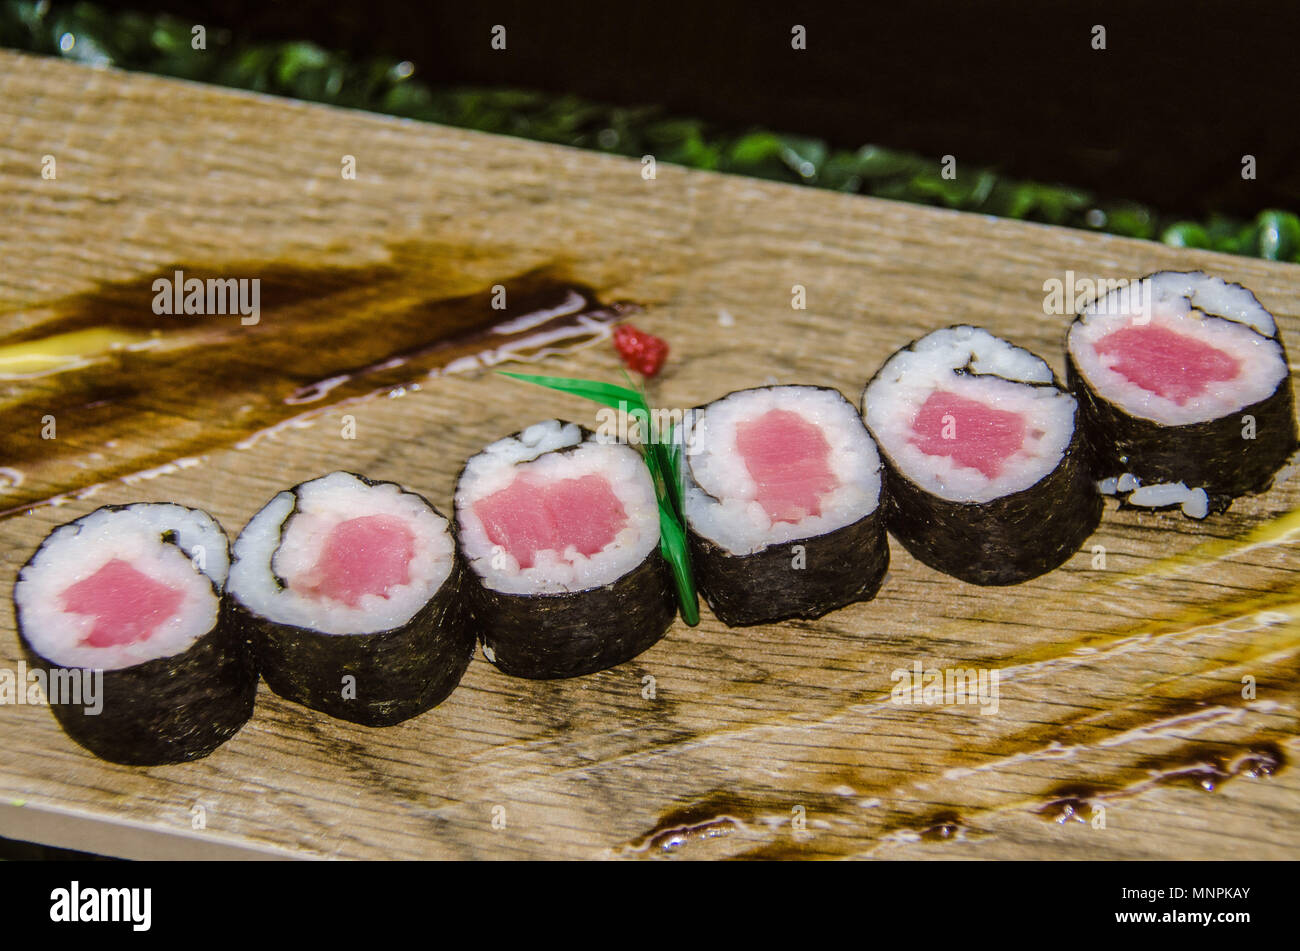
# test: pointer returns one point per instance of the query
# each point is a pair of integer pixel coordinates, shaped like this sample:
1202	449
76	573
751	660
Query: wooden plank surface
1121	686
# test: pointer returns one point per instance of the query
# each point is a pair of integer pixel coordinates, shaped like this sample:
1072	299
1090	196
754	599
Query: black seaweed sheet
1004	541
568	634
1211	455
781	581
803	578
548	636
169	709
394	675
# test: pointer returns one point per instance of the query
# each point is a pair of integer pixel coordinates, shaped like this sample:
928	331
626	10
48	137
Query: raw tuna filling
366	555
126	604
969	432
529	516
1172	365
789	460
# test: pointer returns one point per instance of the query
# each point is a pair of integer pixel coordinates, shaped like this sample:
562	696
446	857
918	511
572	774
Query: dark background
1162	116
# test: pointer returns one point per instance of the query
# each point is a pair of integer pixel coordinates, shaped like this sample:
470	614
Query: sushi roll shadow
350	591
559	528
131	597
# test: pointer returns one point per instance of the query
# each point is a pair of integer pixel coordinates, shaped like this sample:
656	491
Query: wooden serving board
1123	729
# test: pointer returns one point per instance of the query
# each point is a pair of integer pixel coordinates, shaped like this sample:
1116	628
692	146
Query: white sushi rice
1195	503
284	542
1222	315
721	495
552	451
1166	494
974	364
193	564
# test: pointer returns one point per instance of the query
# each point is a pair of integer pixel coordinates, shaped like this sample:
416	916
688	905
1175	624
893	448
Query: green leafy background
161	44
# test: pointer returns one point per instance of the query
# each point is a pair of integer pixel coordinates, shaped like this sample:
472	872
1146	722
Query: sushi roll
560	529
783	504
122	610
1184	391
350	591
988	479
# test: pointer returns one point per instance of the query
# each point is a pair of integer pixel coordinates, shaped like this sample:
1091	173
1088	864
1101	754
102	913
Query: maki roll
122	611
988	480
350	591
560	529
1184	391
783	504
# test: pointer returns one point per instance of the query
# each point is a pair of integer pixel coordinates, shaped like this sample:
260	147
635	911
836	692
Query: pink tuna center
366	555
971	433
528	516
127	605
789	460
1172	365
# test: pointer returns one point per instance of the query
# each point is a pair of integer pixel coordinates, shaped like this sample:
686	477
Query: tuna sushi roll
1184	391
987	474
350	591
560	529
122	611
783	504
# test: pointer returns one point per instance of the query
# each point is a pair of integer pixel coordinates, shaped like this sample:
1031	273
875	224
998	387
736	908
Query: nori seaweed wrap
559	528
122	613
988	478
350	591
783	504
1182	380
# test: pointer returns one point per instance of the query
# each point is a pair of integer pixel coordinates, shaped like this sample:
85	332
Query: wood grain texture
1120	685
